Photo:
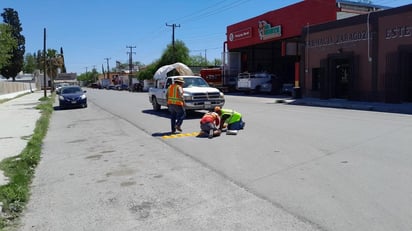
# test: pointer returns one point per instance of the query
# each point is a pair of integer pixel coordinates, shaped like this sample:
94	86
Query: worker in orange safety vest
175	104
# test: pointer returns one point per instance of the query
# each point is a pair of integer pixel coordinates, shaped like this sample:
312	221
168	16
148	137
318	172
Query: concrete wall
12	89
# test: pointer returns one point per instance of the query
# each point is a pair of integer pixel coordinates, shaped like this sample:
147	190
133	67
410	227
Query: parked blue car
72	97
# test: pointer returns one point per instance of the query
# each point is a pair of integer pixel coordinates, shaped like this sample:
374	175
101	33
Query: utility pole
205	57
94	73
44	62
108	70
173	38
130	65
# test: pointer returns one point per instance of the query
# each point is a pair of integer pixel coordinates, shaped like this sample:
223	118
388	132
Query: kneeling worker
209	123
231	118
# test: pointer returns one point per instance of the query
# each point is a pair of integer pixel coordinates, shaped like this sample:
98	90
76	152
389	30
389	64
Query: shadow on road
190	115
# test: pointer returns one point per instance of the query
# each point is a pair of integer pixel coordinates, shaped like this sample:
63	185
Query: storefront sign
338	39
240	34
398	32
266	31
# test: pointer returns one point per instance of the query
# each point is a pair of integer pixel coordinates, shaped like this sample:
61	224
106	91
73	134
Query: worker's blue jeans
177	115
236	125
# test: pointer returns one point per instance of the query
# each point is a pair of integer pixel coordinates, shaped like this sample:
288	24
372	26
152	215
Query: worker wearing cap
231	118
209	123
175	103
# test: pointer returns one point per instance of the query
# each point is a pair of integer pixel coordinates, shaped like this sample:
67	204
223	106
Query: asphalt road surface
110	167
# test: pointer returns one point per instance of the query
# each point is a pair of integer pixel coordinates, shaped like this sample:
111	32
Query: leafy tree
197	60
7	44
54	62
178	53
15	65
39	60
30	63
148	71
216	62
89	77
63	68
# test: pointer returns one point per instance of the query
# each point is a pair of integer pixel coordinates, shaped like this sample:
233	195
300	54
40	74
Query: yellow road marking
180	135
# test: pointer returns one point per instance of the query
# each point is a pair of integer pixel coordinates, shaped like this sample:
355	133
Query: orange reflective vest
174	96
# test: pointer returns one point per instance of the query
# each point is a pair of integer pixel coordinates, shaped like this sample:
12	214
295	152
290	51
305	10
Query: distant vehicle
60	85
122	87
287	88
215	77
95	85
137	87
111	87
104	83
72	97
252	82
197	93
266	87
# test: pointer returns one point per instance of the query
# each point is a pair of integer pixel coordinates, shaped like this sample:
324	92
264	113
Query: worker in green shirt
231	118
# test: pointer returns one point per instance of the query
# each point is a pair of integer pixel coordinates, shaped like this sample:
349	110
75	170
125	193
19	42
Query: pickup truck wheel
156	105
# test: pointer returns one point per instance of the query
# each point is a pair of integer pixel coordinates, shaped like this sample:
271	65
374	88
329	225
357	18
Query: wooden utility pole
130	65
173	39
108	70
44	62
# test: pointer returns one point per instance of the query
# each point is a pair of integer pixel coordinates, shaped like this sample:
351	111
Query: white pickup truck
198	95
253	82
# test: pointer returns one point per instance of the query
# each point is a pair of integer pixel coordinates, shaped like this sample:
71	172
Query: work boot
210	133
178	128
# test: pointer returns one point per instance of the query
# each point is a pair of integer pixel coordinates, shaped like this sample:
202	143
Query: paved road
101	172
109	169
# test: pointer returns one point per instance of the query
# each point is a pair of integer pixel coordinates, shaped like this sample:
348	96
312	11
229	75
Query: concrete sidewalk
402	108
18	118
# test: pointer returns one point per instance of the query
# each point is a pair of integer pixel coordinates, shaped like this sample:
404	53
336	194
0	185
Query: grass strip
20	169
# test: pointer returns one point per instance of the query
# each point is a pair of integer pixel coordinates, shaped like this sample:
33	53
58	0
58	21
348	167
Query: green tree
216	62
89	77
148	71
39	60
15	65
197	60
30	63
63	67
177	53
54	63
7	44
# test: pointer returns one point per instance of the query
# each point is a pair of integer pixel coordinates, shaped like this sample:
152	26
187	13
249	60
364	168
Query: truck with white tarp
198	95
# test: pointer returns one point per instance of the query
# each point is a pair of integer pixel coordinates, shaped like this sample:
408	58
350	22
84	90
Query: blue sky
91	30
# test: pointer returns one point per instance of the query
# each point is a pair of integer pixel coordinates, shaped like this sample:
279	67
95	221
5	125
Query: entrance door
342	78
407	76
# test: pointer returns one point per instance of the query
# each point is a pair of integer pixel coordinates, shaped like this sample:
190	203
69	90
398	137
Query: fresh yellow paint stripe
180	135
